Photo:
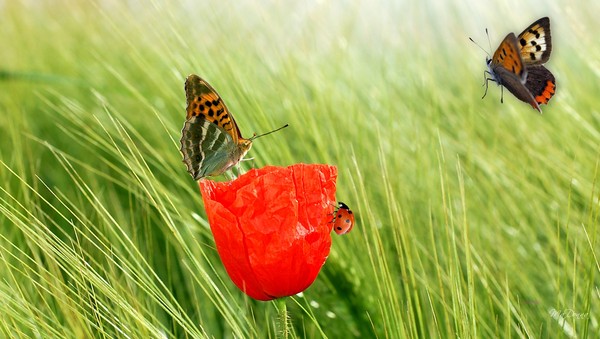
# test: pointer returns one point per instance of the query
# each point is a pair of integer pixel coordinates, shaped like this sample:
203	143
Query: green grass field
474	218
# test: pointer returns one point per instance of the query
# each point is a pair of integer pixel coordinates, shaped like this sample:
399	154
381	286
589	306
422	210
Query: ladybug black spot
339	228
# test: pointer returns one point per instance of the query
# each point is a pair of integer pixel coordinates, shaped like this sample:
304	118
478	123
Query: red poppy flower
272	226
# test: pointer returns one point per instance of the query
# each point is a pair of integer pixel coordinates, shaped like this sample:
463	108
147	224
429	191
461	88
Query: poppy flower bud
272	226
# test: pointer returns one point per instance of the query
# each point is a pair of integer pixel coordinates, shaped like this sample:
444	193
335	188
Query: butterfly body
517	64
211	142
343	219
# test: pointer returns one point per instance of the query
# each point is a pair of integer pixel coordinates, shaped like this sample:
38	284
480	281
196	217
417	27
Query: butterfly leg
501	94
487	80
239	168
248	159
230	175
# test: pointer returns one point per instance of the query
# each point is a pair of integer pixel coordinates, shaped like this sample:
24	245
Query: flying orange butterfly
517	65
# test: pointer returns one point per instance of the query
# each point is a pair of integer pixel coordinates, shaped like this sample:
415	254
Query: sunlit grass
474	218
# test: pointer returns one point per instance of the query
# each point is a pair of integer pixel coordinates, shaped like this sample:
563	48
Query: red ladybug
343	219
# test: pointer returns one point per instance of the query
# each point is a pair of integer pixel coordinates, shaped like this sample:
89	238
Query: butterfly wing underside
206	147
516	87
211	142
535	42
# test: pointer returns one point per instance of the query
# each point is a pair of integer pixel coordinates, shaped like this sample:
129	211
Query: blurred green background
474	218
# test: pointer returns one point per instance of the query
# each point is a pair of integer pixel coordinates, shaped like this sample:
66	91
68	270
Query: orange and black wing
203	100
540	83
508	57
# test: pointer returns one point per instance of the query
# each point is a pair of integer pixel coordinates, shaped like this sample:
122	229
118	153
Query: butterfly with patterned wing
517	65
211	142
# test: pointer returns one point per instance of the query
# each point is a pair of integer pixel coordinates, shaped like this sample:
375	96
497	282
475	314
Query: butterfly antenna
488	37
273	131
481	48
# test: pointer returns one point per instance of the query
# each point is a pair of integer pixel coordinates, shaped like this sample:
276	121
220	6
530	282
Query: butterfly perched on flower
517	65
211	142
